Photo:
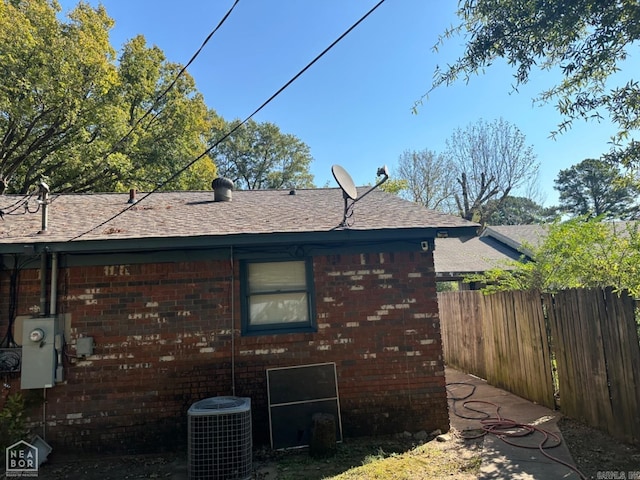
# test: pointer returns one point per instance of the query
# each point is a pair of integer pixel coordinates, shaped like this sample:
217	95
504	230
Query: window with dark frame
277	297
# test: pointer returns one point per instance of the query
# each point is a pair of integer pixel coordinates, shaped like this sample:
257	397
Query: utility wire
172	84
234	129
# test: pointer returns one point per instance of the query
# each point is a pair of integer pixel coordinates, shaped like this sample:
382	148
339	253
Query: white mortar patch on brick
328	299
382	312
364	272
74	416
418	316
368	356
207	350
414	275
84	363
385	276
410	332
414	354
373	318
356	288
391	349
355	278
184	313
343	341
167	358
352	324
324	325
427	341
409	300
333	274
363	259
348	273
378	271
151	304
246	352
381	257
323	348
401	306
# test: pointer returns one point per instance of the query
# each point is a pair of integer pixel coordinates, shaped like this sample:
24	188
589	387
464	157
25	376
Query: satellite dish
346	183
349	191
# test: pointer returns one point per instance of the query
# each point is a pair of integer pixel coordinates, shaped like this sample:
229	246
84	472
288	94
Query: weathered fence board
511	339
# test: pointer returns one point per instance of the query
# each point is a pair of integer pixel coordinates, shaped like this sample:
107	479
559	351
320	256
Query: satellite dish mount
350	192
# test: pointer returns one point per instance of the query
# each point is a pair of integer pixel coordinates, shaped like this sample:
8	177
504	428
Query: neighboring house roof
181	218
457	257
517	237
496	245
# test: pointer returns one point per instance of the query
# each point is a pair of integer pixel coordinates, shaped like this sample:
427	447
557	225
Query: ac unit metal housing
219	439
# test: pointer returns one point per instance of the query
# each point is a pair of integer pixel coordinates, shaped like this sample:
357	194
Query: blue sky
353	107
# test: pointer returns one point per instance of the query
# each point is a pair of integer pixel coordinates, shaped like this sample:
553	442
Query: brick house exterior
162	291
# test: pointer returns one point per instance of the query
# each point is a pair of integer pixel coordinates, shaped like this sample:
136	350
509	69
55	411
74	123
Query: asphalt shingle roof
189	214
458	256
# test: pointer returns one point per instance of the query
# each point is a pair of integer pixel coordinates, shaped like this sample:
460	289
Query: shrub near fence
509	339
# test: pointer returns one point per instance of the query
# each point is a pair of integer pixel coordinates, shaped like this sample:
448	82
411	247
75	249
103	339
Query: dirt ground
596	454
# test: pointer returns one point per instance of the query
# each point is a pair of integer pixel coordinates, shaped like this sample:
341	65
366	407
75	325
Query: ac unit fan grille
220	443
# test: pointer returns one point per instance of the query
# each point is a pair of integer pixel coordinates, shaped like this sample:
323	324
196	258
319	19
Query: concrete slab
521	458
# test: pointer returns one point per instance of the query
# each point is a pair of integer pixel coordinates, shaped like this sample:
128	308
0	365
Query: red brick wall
163	341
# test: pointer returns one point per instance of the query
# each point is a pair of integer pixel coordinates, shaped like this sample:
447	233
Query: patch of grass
426	461
383	459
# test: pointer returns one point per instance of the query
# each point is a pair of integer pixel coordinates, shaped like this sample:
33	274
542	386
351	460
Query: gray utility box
38	353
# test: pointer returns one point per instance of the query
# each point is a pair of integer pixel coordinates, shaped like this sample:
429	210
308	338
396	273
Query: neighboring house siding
163	341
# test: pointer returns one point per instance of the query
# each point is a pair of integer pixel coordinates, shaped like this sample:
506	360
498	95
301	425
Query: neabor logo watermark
22	460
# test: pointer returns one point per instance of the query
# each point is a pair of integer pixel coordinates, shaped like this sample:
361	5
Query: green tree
66	104
586	40
430	179
171	131
259	156
596	187
518	211
576	253
490	160
56	86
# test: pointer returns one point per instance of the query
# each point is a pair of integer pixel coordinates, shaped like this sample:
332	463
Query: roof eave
245	239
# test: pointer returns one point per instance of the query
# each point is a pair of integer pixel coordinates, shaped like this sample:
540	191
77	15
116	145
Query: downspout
43	283
233	327
53	304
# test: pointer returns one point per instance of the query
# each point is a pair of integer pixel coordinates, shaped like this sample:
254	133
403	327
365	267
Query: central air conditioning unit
219	439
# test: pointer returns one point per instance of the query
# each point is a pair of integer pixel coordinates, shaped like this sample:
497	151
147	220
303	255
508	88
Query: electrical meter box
38	353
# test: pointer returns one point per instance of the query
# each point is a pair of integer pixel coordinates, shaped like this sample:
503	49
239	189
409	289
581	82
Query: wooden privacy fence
511	339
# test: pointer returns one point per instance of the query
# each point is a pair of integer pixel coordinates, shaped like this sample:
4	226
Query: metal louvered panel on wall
219	439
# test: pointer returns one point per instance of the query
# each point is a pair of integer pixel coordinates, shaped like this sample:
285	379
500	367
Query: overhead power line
235	128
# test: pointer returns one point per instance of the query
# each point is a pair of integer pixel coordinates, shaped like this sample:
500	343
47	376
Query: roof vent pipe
132	196
222	188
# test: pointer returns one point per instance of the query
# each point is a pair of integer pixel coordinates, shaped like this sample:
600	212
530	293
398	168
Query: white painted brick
328	299
323	348
381	257
167	358
400	306
207	350
246	352
322	326
373	318
364	272
355	278
151	304
418	316
415	275
409	300
333	274
391	349
414	354
382	312
385	276
427	341
343	341
363	259
378	271
356	288
353	324
262	351
388	307
74	416
368	356
410	332
349	273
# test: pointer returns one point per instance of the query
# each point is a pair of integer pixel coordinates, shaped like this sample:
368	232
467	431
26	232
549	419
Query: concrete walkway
500	460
